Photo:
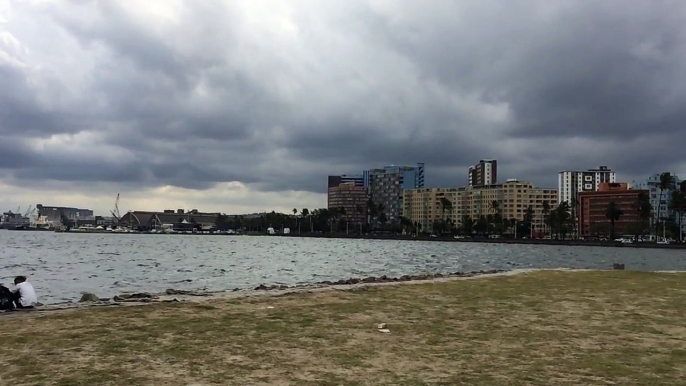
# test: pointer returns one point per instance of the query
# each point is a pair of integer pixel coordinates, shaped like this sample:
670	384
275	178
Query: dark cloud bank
280	96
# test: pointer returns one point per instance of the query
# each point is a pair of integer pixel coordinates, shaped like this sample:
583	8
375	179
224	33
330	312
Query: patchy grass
541	328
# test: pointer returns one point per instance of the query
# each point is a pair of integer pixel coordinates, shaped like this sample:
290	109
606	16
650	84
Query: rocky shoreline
383	279
173	295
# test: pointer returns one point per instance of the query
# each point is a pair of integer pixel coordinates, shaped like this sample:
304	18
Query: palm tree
678	205
529	218
359	209
306	213
446	205
383	219
666	182
562	216
295	214
509	223
494	206
489	221
467	225
551	221
644	209
546	212
613	213
574	205
372	210
497	219
481	225
405	223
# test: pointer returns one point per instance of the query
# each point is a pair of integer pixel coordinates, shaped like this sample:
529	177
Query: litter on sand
383	327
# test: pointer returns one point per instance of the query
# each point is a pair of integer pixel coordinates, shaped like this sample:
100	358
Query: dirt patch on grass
537	328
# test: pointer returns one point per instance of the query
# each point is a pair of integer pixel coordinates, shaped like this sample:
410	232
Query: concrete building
571	183
386	186
484	173
54	215
349	196
513	197
592	219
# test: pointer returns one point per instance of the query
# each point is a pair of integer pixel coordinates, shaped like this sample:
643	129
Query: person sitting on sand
6	299
24	295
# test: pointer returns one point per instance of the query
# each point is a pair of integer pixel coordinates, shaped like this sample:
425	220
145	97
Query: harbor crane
115	212
29	212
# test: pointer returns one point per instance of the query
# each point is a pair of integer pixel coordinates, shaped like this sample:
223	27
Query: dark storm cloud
278	95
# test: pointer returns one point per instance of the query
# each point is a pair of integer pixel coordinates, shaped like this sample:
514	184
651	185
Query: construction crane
115	212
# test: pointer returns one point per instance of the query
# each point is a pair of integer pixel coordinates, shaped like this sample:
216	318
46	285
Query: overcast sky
242	106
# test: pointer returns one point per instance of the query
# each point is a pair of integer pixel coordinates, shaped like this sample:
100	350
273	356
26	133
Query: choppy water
61	266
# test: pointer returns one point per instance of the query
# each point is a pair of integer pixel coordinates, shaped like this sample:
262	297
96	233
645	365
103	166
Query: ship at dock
17	220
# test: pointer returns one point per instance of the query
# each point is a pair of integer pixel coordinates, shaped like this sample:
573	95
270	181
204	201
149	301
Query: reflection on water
62	265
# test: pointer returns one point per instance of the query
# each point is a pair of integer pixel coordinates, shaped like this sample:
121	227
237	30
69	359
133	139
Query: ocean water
63	265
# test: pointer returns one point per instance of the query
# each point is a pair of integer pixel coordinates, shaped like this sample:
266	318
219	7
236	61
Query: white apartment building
570	182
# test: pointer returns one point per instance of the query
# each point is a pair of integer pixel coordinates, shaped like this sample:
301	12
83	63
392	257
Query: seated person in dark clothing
6	299
24	294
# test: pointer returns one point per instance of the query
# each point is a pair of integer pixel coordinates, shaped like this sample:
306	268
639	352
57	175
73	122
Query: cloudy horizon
247	106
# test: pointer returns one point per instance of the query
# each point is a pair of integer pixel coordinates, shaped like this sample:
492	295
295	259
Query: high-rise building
571	183
652	186
386	186
357	179
592	219
352	198
513	198
335	181
484	173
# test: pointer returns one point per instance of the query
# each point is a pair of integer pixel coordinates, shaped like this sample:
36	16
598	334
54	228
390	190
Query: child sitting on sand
24	295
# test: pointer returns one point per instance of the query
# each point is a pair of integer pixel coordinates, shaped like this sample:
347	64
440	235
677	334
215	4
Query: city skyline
243	107
347	177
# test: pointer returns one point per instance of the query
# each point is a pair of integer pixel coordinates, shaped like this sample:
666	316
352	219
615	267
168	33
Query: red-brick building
593	206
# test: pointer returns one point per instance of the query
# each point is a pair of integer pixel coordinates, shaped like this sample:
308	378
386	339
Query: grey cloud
279	101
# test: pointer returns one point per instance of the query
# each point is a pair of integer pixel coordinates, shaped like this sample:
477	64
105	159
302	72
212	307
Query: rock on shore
88	297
